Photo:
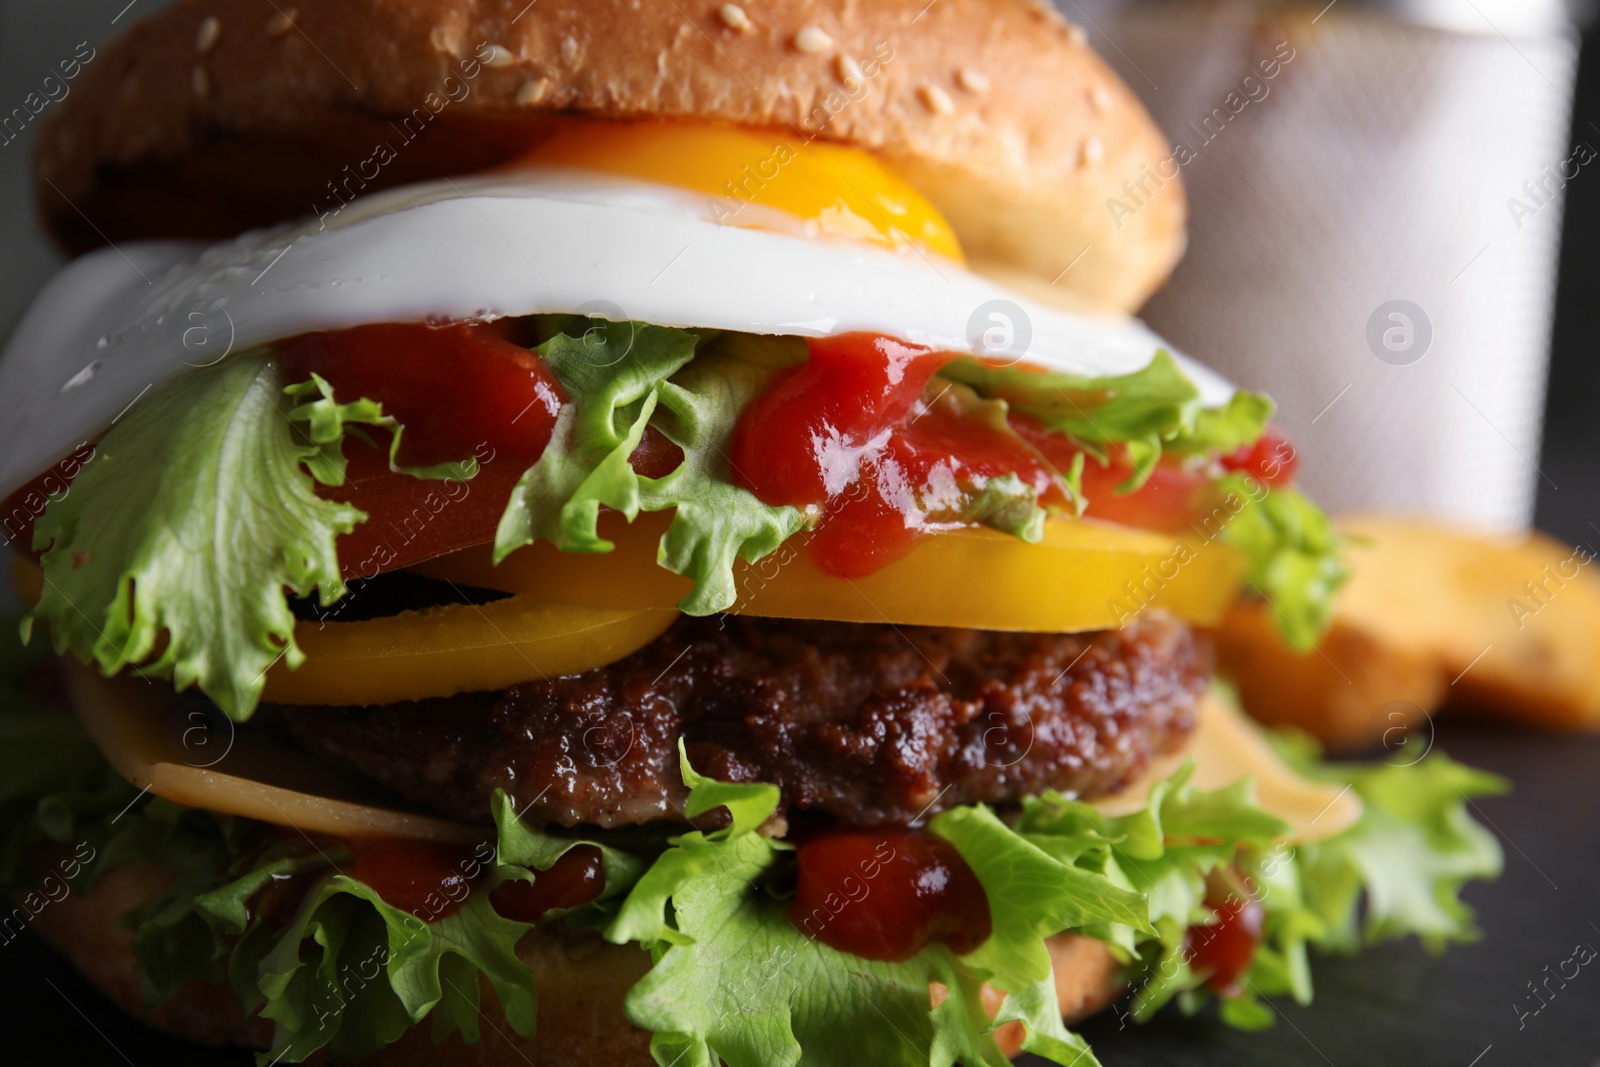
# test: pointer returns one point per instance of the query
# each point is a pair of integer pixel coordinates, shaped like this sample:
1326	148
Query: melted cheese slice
145	733
205	762
1227	747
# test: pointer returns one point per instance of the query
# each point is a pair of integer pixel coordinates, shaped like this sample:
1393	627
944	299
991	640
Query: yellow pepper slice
458	648
1083	575
437	652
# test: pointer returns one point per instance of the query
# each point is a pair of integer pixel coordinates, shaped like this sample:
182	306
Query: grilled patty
866	724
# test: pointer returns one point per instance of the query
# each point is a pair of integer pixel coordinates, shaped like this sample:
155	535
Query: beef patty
868	724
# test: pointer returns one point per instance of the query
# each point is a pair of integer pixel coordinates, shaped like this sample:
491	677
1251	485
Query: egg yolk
833	190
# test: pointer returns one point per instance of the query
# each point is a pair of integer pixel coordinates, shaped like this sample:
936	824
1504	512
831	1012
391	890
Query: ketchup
883	895
576	878
425	878
1224	947
847	431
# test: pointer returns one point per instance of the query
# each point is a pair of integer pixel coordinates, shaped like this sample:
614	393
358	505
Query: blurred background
1393	234
1377	206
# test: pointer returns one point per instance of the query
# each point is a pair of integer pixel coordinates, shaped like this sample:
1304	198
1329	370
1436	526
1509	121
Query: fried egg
675	225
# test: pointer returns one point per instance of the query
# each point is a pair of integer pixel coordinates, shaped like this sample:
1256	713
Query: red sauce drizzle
1224	947
883	895
847	431
427	879
576	878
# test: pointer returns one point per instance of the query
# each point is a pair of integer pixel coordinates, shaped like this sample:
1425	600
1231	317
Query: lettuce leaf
1032	895
1404	864
1294	555
319	992
172	553
621	377
324	422
1144	413
349	972
735	982
611	374
715	521
1408	858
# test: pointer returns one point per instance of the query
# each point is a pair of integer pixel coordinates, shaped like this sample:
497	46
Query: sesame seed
206	37
1100	97
532	91
936	99
849	70
569	50
282	22
1075	33
499	56
734	18
973	81
201	81
811	39
1093	152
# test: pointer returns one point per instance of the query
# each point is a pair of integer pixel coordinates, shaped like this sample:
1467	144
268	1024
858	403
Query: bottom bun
580	978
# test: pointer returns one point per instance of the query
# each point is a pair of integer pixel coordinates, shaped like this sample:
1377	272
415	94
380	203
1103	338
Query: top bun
214	116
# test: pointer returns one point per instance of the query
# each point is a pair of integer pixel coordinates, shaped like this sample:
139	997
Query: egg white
121	321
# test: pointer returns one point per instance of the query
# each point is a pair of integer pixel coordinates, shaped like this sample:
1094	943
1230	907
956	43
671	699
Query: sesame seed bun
214	116
581	982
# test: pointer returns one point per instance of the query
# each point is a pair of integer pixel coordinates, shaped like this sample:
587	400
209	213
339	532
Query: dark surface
1394	1005
867	724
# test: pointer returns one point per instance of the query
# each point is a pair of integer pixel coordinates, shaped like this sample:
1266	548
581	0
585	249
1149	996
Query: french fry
1349	693
1431	615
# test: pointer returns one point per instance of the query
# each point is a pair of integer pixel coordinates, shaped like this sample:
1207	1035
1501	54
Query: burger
620	532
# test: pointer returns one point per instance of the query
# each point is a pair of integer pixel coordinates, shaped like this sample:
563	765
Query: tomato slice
1272	459
429	879
1168	501
412	519
1177	491
575	879
457	389
1172	496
